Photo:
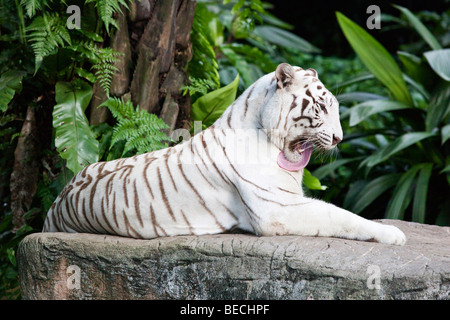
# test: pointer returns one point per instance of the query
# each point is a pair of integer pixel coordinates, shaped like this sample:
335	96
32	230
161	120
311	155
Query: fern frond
203	65
141	131
103	63
46	33
106	10
201	86
32	6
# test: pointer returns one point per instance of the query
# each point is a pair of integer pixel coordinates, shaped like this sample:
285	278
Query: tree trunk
24	178
155	39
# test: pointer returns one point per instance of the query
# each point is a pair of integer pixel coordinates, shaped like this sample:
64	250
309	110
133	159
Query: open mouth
304	150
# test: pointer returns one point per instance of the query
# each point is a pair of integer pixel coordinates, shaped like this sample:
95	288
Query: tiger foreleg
318	218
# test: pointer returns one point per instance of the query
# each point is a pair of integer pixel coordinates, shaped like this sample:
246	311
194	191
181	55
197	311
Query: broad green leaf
401	196
358	78
397	145
364	110
420	28
216	31
312	182
416	68
284	38
253	55
446	169
241	65
10	84
376	58
373	190
210	107
327	169
439	105
74	139
417	86
274	21
439	61
249	61
420	195
358	96
445	133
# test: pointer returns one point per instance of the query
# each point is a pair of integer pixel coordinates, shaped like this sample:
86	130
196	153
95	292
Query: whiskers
320	153
327	156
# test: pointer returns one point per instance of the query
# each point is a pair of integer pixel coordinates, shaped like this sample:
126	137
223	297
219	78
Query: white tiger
243	172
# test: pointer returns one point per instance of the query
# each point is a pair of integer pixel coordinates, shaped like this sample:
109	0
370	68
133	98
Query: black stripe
246	100
188	223
114	210
164	197
155	224
234	169
166	159
111	229
201	200
209	156
136	205
145	177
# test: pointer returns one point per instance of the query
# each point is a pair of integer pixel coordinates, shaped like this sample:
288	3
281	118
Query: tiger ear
285	74
314	72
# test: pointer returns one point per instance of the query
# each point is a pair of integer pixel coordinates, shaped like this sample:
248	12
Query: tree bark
161	32
24	178
154	37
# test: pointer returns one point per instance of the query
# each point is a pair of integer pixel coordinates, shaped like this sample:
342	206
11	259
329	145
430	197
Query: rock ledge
235	266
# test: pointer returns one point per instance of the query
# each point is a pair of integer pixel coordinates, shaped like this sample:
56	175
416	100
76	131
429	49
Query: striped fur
224	177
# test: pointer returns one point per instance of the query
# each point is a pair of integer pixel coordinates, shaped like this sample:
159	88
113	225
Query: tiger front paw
388	234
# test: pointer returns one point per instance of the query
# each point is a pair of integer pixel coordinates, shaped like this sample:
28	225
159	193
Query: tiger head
303	113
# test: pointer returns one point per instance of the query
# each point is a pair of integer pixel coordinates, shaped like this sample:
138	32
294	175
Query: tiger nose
336	140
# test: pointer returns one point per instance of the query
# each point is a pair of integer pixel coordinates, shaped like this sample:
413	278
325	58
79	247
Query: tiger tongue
299	165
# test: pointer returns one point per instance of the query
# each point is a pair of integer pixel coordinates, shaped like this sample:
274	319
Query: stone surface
235	266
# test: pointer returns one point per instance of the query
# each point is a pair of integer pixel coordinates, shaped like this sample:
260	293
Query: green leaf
11	256
401	195
74	139
420	28
312	182
372	191
10	84
446	169
415	67
327	169
364	110
439	105
285	39
358	96
445	133
137	131
397	145
439	61
216	31
47	33
358	78
420	195
376	58
417	86
32	6
210	107
106	11
244	68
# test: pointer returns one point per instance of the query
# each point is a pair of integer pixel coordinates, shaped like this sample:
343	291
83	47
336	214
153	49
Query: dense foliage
397	144
394	161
